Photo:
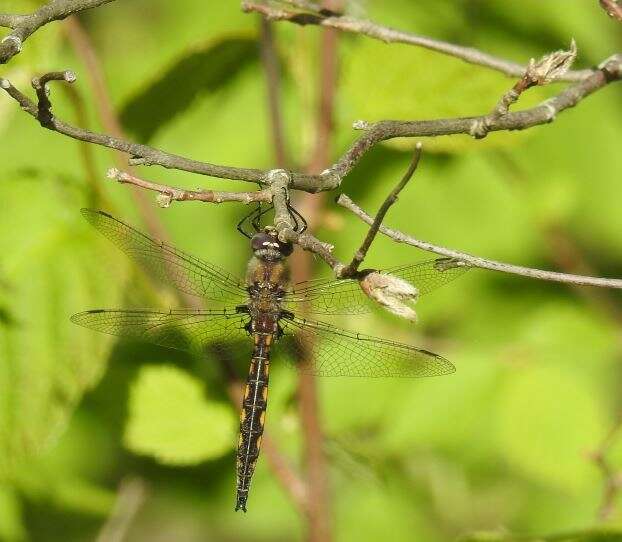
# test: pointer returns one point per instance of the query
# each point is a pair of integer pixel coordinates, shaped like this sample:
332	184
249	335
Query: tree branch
351	269
270	61
390	35
24	26
476	261
331	178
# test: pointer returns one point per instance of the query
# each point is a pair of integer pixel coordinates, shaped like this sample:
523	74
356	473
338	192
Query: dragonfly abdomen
252	416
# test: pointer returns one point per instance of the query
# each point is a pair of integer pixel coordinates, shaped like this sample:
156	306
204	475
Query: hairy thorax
266	282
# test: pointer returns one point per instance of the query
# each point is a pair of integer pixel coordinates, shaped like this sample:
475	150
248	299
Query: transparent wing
325	350
187	273
326	296
190	330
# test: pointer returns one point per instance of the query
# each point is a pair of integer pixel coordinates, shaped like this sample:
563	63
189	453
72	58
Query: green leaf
46	362
549	420
201	71
171	420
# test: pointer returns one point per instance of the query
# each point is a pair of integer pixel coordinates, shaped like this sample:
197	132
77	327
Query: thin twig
170	193
25	25
391	35
130	497
613	8
612	477
476	261
351	269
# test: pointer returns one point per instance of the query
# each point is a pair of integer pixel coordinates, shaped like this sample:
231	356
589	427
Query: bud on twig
551	67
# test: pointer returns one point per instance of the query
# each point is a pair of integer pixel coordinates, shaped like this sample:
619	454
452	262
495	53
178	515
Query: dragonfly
260	312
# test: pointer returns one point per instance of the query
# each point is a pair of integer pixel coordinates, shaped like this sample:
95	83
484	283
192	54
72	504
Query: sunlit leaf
171	419
549	421
415	84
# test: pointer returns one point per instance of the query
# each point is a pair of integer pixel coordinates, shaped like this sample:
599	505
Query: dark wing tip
90	213
446	367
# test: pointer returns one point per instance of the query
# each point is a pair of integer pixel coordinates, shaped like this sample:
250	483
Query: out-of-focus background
93	429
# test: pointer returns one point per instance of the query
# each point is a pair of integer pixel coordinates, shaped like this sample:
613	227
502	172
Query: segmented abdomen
253	415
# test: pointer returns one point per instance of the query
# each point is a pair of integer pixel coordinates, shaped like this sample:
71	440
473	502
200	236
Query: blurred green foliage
501	447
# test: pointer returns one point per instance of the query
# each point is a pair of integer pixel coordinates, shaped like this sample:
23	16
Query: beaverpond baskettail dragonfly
264	310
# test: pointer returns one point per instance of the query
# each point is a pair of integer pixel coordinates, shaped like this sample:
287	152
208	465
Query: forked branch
331	178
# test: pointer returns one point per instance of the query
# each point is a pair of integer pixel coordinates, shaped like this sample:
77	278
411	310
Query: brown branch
167	194
476	261
613	8
270	63
24	26
330	178
319	517
360	254
391	35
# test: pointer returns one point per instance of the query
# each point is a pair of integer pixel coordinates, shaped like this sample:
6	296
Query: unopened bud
552	66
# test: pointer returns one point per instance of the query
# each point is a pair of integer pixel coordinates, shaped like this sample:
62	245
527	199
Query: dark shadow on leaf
200	71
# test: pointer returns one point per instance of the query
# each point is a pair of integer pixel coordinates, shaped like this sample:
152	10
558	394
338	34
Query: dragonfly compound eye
286	248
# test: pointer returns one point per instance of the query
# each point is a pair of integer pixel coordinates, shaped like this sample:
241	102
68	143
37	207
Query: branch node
15	40
551	111
361	125
479	128
113	173
70	76
164	200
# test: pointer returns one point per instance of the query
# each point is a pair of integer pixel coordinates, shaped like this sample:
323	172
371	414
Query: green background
500	448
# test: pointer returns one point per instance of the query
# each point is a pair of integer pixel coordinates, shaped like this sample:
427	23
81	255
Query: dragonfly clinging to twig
266	311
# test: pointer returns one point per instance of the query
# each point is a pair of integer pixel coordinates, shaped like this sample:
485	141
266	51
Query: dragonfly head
266	246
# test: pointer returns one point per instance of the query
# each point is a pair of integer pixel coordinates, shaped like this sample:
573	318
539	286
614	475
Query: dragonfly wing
328	297
346	296
325	350
188	273
190	330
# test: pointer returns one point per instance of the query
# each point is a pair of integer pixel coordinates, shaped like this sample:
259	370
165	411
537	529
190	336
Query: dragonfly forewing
169	264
